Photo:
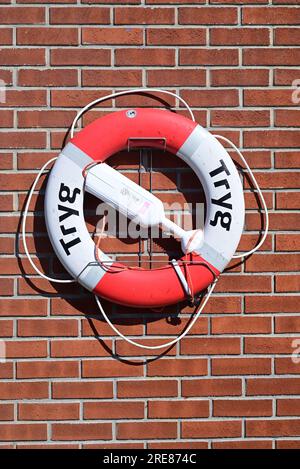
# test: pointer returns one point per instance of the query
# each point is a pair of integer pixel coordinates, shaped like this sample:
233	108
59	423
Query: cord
167	344
121	93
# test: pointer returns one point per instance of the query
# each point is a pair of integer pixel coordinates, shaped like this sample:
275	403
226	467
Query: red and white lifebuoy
65	218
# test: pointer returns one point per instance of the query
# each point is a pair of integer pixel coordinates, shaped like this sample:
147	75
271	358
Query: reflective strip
93	272
76	155
192	142
212	256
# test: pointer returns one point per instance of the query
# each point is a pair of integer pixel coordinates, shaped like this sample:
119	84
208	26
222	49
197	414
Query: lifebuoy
65	218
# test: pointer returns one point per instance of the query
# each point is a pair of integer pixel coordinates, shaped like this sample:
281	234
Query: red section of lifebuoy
157	287
110	134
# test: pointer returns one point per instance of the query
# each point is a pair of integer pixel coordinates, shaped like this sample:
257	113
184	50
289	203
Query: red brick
241	325
271	138
178	409
28	348
206	57
99	368
23	432
207	15
244	283
18	15
239	36
53	77
23	390
49	411
285	76
287	118
6	161
176	36
25	98
287	283
267	263
285	201
111	77
273	386
241	366
286	36
146	430
278	345
47	327
179	444
211	387
274	56
82	390
267	98
6	371
77	56
6	412
288	444
213	429
211	98
108	445
285	324
78	348
113	410
49	118
126	36
180	77
286	159
150	388
243	408
18	307
269	15
48	369
243	77
6	36
177	367
81	431
286	407
144	15
271	304
6	285
273	427
240	118
244	444
22	56
19	139
292	221
79	15
210	346
6	326
6	118
47	36
151	56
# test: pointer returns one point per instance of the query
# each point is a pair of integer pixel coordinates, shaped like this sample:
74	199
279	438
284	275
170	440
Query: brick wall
232	382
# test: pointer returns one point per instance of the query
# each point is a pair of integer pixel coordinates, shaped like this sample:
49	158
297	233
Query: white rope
121	93
25	215
166	344
266	229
